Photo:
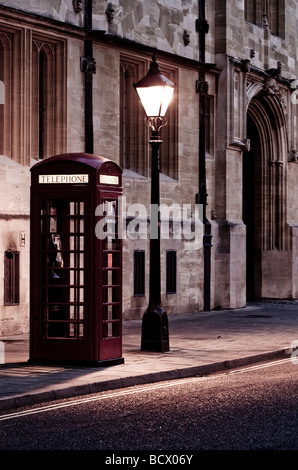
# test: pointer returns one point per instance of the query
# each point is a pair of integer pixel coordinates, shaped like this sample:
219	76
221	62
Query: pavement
201	343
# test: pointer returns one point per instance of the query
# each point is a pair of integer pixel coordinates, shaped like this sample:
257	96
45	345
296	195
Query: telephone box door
60	302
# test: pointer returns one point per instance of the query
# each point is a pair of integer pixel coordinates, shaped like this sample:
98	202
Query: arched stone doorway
264	200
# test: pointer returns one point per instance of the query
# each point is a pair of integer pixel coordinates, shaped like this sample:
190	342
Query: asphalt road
246	409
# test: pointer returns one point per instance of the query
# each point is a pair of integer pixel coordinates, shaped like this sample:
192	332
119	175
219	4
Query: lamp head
155	91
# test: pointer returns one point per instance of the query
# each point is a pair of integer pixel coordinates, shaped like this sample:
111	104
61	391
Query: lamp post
155	92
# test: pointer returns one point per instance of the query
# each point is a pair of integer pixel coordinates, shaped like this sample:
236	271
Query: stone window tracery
32	104
267	14
134	149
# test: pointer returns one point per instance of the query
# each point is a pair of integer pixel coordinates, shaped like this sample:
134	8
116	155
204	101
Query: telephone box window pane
111	260
72	312
71	329
111	312
81	312
62	259
110	277
111	294
112	330
110	226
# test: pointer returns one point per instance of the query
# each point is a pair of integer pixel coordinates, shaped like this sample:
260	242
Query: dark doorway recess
251	168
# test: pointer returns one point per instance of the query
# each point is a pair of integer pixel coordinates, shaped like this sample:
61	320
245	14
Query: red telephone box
76	261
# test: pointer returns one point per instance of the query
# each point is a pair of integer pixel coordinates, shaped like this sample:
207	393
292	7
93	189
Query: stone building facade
230	145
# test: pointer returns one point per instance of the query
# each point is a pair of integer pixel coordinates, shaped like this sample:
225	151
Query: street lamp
155	92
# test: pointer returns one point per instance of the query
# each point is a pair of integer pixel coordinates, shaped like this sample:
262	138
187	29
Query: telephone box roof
91	160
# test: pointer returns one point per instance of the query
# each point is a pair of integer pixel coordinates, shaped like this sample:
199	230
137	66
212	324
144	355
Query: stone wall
58	10
15	236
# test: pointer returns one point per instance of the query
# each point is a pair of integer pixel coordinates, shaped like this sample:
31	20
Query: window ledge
133	174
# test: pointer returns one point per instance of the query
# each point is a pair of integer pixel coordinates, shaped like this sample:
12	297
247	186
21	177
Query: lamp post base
155	331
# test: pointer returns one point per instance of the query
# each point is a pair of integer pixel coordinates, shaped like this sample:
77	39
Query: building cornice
130	45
